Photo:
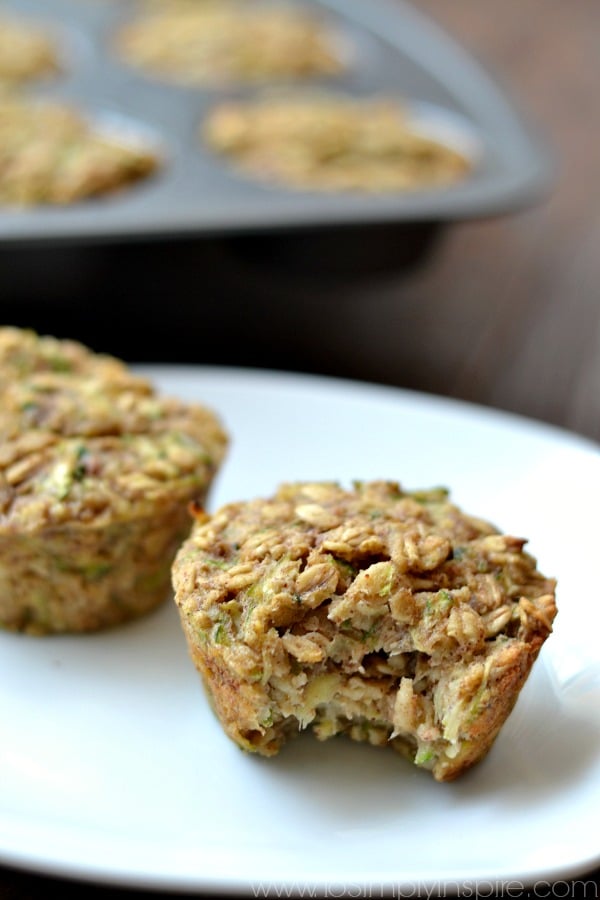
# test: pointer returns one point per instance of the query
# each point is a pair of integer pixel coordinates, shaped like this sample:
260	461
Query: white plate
114	769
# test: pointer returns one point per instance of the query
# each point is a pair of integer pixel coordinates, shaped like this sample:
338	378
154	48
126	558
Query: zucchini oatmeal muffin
388	615
51	154
330	143
26	53
96	471
225	42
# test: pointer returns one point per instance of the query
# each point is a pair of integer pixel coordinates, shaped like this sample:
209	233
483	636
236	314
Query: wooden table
515	304
505	312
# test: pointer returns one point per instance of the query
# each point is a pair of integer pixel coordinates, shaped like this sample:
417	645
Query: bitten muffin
96	471
26	52
228	42
51	154
387	615
327	142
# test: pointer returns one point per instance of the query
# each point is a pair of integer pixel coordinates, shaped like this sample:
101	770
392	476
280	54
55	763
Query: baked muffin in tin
52	153
27	52
228	42
330	142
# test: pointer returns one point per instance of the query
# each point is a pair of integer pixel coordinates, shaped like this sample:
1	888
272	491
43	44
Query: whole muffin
387	615
26	52
330	142
52	154
96	472
216	43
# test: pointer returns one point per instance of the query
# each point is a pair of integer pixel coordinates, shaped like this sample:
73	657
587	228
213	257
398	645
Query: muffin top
26	52
51	154
212	43
331	142
452	578
85	440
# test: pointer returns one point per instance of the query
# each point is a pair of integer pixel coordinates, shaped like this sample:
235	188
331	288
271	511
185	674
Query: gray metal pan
395	50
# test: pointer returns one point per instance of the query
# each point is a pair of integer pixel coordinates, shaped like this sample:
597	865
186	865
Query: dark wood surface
504	312
515	303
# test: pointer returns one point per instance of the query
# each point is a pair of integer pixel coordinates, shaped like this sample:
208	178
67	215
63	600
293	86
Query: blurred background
502	311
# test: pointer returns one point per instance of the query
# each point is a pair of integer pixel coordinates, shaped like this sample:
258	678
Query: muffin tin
391	49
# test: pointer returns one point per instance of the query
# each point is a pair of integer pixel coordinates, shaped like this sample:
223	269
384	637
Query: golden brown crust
228	42
388	615
26	52
96	471
514	665
331	142
51	154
